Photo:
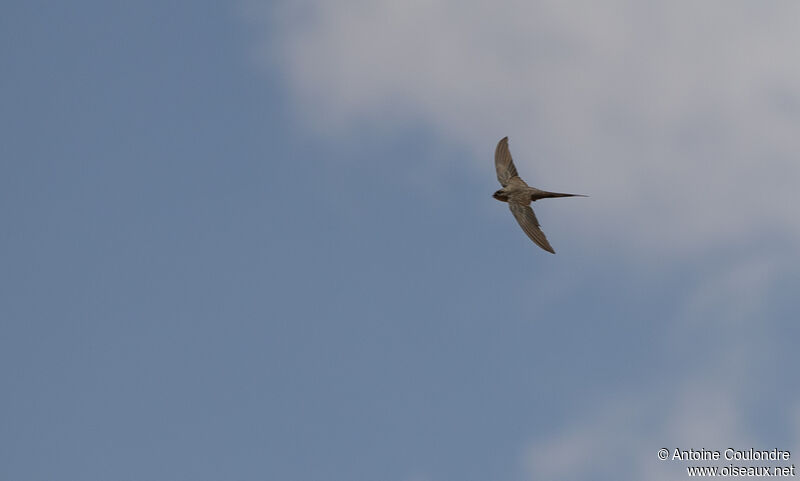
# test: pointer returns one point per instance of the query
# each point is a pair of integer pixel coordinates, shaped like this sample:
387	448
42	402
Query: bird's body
519	195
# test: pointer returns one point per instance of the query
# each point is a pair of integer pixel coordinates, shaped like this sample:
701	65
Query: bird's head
500	195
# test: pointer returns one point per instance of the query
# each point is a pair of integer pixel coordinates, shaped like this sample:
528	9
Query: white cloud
679	118
730	297
707	396
620	439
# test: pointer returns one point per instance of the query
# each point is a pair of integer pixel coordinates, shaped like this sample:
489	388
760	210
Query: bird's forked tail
546	195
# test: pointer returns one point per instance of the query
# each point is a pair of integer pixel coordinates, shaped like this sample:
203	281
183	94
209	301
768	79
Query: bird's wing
503	162
527	220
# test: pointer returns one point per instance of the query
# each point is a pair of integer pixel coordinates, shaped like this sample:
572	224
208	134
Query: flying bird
519	195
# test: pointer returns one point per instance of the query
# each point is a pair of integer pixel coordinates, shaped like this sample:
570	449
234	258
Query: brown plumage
519	195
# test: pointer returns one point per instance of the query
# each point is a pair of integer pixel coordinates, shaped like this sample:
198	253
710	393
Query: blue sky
256	240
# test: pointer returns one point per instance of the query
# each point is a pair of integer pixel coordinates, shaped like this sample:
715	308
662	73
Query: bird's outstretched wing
503	162
527	220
